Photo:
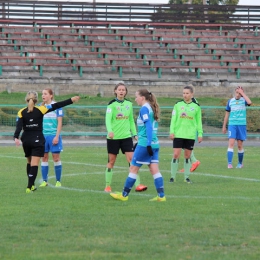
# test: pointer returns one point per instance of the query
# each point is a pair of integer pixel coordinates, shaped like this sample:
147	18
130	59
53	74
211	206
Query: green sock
187	165
109	174
174	167
137	182
192	157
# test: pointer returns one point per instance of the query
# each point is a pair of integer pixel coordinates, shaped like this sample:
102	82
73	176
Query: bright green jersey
120	119
186	120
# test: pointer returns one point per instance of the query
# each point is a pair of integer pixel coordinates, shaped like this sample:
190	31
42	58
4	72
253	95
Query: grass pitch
215	217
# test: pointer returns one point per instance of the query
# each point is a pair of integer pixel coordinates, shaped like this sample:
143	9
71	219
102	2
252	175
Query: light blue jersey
50	122
147	135
237	109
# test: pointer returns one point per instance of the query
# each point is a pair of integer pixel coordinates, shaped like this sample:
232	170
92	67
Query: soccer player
235	116
52	124
120	129
30	120
147	149
185	125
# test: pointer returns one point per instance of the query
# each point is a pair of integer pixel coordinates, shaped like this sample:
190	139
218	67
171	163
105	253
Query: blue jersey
237	109
147	127
50	122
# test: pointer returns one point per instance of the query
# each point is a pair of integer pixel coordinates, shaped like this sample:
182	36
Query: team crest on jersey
118	108
182	108
192	109
127	107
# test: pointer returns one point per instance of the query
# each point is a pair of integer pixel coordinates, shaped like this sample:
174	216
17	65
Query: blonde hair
150	97
31	98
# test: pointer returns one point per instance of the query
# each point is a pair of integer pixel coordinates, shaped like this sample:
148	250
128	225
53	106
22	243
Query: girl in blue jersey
52	124
147	149
235	116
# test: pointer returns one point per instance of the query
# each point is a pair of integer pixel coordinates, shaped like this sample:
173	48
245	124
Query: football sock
58	169
45	170
240	156
230	153
109	174
137	182
129	183
174	167
32	176
158	183
192	157
187	166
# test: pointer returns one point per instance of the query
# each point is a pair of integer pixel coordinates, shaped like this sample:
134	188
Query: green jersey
186	120
120	119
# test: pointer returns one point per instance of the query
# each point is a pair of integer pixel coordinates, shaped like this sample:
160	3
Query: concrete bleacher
127	53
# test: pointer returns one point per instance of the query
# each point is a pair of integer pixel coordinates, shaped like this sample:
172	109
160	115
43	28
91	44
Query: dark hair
120	84
150	97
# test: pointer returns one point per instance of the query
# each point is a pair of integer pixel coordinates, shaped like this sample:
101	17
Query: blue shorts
237	132
141	156
49	147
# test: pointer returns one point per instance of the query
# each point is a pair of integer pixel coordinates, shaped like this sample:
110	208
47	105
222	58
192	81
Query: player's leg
241	136
157	176
194	162
45	162
56	150
231	142
127	148
177	148
187	163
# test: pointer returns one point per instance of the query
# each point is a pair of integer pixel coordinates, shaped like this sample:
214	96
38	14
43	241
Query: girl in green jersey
185	125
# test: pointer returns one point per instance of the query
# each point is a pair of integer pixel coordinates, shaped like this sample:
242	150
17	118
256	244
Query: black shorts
33	144
183	143
126	145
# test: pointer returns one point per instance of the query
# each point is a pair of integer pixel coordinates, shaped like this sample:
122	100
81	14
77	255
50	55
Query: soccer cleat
172	180
28	190
118	196
141	188
240	165
159	199
181	170
108	189
33	188
230	166
187	180
58	184
44	184
194	166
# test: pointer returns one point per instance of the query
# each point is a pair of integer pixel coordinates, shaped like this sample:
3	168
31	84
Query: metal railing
161	15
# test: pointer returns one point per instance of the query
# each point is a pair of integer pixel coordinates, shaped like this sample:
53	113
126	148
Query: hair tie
150	93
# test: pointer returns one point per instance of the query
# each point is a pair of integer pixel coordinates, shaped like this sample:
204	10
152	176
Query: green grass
216	217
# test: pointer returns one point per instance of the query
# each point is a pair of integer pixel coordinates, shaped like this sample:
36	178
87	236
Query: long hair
151	98
50	91
120	84
31	98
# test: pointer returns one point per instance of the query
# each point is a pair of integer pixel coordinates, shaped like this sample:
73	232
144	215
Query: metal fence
90	120
28	11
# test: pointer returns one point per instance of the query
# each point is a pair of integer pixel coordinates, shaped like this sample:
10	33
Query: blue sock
240	156
230	153
129	183
158	183
58	169
45	170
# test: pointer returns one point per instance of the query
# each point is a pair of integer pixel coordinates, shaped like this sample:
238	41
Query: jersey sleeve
228	106
173	120
109	114
199	122
144	114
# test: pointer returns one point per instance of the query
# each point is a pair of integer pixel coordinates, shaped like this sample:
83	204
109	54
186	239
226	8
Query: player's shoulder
111	102
194	100
179	102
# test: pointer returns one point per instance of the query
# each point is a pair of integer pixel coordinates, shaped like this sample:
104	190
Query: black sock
32	176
